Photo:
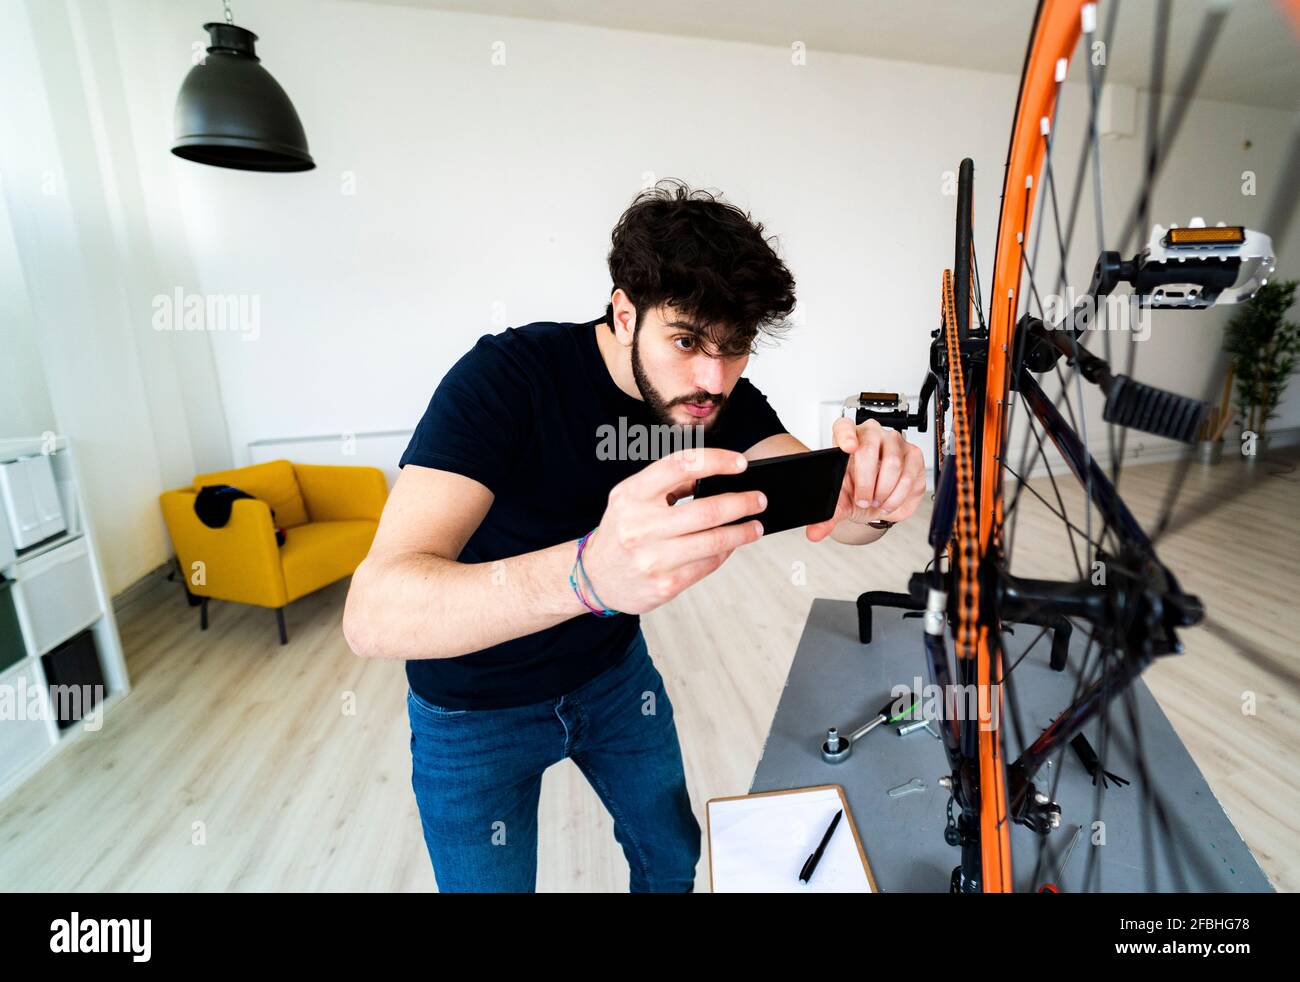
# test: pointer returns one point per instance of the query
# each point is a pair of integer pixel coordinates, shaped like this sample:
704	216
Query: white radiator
380	449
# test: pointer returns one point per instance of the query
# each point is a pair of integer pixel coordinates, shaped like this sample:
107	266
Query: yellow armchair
329	514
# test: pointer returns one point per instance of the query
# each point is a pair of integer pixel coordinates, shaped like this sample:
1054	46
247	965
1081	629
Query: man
518	655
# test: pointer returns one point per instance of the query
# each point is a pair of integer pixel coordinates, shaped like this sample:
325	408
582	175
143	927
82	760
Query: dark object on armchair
212	506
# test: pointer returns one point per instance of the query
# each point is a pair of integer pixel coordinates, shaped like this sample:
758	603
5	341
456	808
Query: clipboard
786	826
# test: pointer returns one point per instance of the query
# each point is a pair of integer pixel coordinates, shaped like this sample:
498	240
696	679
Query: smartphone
801	488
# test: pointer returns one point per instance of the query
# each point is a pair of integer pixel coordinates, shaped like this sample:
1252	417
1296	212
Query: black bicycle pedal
1144	407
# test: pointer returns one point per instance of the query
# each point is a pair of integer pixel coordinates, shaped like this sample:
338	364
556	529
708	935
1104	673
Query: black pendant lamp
232	113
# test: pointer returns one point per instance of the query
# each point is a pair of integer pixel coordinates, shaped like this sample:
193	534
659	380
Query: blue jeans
477	776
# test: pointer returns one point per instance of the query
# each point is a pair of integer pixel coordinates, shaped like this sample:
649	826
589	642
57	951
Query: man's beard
660	407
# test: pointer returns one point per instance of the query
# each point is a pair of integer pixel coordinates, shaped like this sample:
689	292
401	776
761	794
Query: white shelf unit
58	591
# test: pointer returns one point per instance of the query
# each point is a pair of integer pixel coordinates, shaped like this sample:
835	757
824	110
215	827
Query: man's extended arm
413	598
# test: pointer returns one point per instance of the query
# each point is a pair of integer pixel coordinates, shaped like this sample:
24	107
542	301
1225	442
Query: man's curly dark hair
707	258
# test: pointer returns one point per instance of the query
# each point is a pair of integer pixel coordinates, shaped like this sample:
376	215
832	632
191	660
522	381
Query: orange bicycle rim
1057	27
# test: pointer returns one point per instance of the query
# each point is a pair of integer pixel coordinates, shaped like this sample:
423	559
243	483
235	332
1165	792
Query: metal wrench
916	784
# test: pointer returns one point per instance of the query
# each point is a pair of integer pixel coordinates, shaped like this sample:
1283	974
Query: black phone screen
801	488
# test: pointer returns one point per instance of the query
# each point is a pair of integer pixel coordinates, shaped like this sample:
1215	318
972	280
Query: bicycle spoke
1098	73
1186	458
1155	808
1206	37
1006	672
1092	147
1084	677
1265	661
1042	453
1047	504
975	286
1157	827
1151	159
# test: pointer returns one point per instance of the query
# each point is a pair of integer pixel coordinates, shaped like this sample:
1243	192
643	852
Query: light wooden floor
233	765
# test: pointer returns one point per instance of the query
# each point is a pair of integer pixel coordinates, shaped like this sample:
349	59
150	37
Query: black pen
810	864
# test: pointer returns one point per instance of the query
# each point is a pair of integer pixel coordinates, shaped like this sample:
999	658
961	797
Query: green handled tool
837	747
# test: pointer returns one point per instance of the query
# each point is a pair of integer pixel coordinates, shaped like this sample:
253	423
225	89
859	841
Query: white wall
489	192
484	196
25	408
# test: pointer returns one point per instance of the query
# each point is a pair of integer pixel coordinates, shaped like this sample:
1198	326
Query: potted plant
1263	346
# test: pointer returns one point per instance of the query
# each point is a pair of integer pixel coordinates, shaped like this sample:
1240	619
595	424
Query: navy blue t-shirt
533	414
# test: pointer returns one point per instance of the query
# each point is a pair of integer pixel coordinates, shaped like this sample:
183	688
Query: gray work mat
836	681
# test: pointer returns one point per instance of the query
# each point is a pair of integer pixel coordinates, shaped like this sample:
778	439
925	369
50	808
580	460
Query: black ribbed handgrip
1151	410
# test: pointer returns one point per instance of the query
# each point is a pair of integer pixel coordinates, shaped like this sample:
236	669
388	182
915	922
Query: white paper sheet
759	844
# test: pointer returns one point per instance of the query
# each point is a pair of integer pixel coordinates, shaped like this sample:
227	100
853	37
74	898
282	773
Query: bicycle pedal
1144	407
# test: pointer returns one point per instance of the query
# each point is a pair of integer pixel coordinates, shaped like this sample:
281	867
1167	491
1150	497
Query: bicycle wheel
1132	620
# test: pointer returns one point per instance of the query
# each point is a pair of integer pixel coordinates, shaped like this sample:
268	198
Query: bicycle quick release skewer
836	748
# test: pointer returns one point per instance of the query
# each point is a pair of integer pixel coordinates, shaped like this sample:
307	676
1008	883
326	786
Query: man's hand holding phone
646	550
885	478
